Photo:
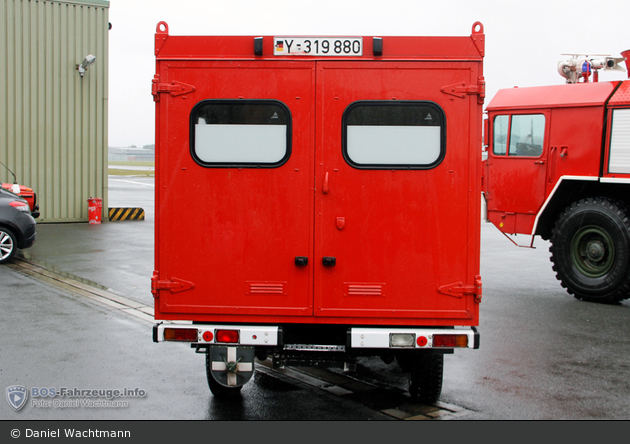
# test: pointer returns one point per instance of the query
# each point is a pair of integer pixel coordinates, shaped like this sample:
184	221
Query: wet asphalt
544	354
115	255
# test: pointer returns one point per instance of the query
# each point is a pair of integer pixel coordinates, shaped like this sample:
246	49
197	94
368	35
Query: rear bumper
28	242
25	227
358	338
422	338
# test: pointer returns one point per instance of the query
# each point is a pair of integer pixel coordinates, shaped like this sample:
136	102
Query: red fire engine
337	190
558	166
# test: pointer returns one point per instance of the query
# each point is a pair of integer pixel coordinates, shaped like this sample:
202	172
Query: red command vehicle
337	185
559	167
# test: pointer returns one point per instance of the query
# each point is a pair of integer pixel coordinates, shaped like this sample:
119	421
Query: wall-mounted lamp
87	61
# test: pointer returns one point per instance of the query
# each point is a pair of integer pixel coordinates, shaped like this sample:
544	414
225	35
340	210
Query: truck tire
590	250
425	380
218	390
8	245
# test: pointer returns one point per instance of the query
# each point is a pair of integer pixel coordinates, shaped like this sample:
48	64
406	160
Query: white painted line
103	297
135	183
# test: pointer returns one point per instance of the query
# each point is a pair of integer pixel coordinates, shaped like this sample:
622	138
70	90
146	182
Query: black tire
8	245
590	250
425	380
218	390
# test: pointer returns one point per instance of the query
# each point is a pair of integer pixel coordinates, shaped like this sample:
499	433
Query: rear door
235	188
393	203
364	206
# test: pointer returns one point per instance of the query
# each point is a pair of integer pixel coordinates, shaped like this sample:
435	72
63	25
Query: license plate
318	46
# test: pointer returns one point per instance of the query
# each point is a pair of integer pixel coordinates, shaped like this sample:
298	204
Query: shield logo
17	396
232	366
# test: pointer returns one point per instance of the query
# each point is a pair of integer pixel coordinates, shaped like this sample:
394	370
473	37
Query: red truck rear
318	200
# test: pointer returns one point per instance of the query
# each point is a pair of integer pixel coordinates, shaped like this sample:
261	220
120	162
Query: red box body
317	234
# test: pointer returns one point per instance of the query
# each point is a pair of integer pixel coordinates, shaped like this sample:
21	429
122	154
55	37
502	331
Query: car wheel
8	245
590	250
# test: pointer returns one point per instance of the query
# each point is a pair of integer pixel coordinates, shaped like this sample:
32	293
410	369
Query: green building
53	111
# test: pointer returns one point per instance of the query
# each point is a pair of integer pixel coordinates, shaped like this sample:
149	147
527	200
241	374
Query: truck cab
557	167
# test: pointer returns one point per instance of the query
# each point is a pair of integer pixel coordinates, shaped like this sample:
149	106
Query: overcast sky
524	39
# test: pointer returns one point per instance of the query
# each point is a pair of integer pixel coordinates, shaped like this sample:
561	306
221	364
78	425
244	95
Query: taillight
450	340
20	206
181	334
227	336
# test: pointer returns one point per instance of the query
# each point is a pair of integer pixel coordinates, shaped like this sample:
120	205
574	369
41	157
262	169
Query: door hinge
174	285
174	88
461	89
458	289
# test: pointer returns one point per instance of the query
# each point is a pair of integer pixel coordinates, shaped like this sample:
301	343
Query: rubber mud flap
232	366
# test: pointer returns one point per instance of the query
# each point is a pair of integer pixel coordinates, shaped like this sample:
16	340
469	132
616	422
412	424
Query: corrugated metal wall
53	122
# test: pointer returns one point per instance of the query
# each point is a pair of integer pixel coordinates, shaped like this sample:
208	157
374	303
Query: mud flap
232	366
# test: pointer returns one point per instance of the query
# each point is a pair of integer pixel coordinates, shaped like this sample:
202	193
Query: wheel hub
593	251
596	251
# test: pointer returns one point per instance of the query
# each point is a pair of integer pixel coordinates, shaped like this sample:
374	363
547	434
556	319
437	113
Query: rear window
243	133
394	135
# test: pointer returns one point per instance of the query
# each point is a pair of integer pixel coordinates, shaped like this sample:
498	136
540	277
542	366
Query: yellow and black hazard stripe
118	214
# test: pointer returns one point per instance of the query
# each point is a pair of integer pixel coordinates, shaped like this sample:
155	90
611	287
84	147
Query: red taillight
181	334
207	336
422	341
450	341
20	206
226	336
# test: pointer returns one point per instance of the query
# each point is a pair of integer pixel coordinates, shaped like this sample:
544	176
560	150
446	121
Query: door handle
563	151
551	171
325	187
301	261
329	261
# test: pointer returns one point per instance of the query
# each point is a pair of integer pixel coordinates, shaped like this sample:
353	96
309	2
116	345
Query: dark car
17	225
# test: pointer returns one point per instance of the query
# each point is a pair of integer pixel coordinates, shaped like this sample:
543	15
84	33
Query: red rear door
396	214
363	206
235	211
